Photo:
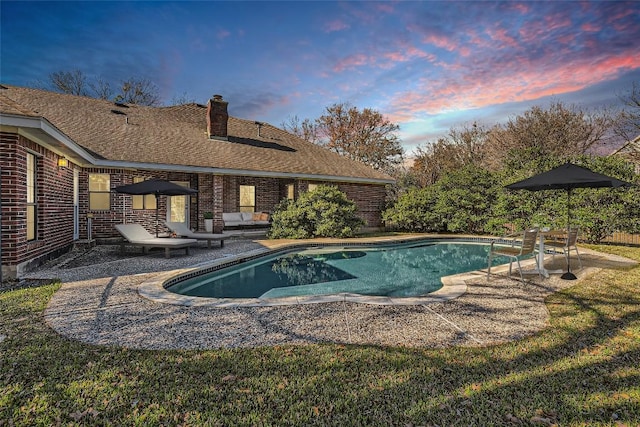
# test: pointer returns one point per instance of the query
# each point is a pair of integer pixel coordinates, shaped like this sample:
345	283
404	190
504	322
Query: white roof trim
42	124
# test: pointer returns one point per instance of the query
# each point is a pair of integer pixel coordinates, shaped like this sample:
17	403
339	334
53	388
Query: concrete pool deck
99	303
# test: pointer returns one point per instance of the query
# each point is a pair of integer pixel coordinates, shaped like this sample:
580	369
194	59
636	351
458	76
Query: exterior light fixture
63	162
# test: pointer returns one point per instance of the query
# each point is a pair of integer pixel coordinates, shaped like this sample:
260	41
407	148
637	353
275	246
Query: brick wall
54	203
122	211
369	199
267	192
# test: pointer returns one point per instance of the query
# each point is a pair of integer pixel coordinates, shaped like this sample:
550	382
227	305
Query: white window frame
252	195
99	191
32	197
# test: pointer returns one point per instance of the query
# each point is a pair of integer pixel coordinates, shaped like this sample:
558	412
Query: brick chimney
217	118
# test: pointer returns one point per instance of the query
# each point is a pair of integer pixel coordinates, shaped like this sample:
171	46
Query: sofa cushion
232	216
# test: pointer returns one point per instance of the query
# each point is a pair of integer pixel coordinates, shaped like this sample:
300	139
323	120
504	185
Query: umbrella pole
568	275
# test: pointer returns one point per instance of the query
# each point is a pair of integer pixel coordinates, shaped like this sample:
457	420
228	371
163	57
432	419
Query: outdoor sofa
245	219
136	235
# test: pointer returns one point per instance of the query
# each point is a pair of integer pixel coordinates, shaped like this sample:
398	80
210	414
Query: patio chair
570	242
183	231
515	251
136	235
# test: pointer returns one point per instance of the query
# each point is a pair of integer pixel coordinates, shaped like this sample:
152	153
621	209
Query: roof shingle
177	135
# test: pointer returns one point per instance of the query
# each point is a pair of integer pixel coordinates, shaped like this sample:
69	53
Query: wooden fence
623	238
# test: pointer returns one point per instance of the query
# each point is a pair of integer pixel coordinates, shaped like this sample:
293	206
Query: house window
312	187
290	191
247	198
99	191
147	201
32	220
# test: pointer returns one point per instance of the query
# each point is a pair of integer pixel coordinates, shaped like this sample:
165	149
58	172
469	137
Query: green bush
415	211
473	200
459	202
324	212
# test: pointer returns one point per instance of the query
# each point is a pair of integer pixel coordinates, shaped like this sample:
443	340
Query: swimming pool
408	269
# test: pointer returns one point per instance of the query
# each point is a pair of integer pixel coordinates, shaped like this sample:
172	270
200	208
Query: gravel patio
98	303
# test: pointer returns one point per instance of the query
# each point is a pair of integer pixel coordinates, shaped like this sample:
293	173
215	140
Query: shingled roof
176	137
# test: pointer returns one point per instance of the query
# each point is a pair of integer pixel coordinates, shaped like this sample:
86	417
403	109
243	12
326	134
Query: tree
101	88
629	125
306	129
70	82
182	99
462	147
140	91
559	131
365	136
323	212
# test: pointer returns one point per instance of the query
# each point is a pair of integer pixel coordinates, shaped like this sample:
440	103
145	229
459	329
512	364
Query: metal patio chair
525	247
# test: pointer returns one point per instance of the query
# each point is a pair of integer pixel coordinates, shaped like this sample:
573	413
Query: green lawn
582	370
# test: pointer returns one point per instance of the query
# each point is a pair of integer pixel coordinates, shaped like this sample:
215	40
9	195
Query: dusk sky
426	66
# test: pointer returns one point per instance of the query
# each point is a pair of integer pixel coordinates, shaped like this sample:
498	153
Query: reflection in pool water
404	270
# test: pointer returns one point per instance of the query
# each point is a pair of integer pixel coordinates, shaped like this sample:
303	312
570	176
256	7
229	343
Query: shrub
414	211
324	212
459	202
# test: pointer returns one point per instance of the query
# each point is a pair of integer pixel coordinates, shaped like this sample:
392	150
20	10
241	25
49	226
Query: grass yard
582	370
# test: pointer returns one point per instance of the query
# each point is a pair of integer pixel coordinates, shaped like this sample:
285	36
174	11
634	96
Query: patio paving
99	303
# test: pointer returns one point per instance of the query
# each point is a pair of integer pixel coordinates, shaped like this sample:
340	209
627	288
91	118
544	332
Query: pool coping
453	286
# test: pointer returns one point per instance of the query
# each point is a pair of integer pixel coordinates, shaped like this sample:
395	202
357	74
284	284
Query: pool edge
452	286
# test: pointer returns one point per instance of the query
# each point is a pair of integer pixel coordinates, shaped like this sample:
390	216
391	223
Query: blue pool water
405	270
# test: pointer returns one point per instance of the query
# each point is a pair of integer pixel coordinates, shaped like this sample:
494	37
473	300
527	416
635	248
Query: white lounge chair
183	231
136	235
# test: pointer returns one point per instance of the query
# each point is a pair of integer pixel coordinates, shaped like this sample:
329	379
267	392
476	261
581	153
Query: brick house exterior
62	142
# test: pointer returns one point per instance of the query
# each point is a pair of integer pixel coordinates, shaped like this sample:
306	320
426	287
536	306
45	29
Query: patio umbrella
157	187
567	177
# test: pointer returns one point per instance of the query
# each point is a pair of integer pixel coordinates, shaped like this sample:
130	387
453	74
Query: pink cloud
590	27
440	41
336	25
350	62
523	82
222	34
501	35
408	53
535	31
522	8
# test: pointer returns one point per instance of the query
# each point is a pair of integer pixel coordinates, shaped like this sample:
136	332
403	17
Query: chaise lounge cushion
136	235
183	231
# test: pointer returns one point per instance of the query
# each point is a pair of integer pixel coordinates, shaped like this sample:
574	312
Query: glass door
178	206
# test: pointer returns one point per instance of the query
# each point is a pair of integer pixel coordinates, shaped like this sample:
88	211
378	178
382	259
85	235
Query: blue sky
427	66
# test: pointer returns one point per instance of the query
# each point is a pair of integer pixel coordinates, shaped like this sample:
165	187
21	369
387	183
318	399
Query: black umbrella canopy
159	187
155	186
567	177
